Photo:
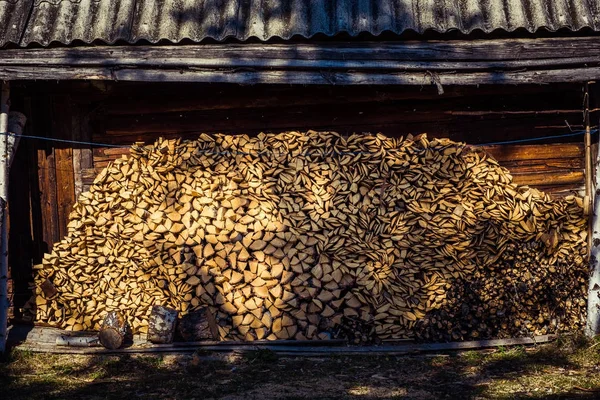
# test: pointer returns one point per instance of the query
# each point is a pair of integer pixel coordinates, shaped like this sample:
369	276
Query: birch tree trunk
161	326
11	126
593	317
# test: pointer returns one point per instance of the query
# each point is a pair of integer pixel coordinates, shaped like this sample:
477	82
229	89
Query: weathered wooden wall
475	115
48	176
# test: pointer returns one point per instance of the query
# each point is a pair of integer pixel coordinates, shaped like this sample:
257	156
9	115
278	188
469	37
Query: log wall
48	176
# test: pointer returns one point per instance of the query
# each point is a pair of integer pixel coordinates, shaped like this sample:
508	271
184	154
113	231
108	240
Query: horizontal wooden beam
503	61
304	350
290	77
431	54
514	153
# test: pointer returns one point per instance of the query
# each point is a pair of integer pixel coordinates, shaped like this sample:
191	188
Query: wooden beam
284	348
548	178
514	153
517	52
291	77
502	61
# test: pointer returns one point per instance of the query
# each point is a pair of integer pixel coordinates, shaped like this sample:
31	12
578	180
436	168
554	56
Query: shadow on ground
567	369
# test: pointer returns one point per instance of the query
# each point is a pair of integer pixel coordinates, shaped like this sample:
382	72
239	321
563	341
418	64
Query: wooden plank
290	349
535	152
76	136
82	153
37	224
549	178
390	119
541	51
89	174
346	78
299	77
49	335
155	58
51	199
116	152
438	63
47	179
563	190
86	156
548	164
65	180
137	98
466	101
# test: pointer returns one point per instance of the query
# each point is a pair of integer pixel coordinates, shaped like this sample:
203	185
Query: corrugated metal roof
87	20
13	17
65	21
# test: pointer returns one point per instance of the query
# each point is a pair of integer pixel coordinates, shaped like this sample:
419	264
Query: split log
48	288
161	325
316	236
113	331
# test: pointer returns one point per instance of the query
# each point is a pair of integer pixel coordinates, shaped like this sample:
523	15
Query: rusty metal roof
24	22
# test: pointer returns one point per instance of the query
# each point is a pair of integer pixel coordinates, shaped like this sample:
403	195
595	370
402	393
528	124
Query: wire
536	139
63	140
244	153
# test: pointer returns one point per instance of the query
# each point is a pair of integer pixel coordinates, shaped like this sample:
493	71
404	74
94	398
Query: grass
567	368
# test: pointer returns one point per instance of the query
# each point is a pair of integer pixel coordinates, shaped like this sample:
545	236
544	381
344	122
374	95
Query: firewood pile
314	235
524	292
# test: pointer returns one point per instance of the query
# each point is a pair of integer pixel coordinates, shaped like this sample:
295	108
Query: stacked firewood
524	292
306	235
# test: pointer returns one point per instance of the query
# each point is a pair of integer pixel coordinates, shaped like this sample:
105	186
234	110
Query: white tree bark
4	304
593	317
11	126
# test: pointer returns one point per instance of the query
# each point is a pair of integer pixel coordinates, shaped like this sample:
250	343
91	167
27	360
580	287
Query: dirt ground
566	369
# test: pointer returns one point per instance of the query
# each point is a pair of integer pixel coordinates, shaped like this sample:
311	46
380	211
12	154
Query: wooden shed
516	77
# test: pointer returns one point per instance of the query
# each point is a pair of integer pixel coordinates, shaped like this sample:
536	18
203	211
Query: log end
110	338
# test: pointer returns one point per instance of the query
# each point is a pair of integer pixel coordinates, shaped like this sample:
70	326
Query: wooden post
588	155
